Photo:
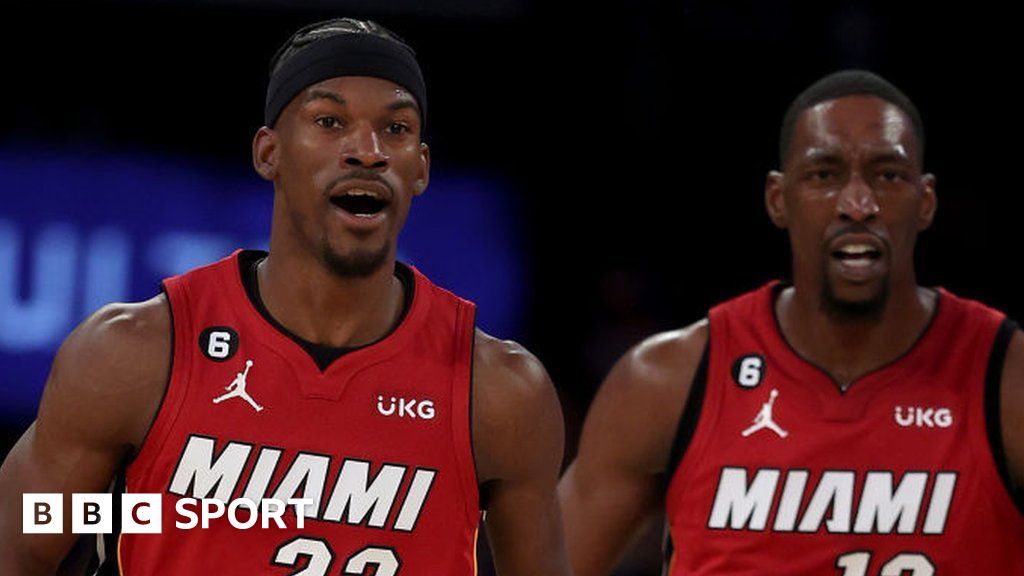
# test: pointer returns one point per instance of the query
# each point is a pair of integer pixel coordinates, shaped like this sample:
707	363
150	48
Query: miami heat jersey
379	441
786	474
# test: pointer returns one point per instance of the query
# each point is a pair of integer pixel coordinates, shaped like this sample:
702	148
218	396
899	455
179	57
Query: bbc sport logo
143	513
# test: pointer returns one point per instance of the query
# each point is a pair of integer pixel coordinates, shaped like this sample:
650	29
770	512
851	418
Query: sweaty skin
852	175
109	376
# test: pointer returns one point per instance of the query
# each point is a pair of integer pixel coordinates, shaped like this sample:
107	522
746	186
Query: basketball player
852	422
323	370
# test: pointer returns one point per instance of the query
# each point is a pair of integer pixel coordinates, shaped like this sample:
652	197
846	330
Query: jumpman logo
764	419
237	389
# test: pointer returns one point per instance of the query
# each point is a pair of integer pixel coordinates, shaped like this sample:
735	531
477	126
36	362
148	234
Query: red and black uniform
379	439
899	475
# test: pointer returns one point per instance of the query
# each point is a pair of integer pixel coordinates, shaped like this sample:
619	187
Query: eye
893	176
821	175
328	122
397	128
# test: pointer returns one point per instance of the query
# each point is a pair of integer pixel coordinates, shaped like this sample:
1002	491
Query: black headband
345	55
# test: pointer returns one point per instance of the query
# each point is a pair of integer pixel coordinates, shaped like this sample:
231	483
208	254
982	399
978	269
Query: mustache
855	229
363	175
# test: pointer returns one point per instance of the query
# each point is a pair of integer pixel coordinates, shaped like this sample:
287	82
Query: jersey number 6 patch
748	370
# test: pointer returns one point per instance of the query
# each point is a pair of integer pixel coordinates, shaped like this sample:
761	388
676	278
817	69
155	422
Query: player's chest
777	412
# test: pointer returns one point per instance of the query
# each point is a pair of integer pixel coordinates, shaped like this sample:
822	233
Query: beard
854	311
359	263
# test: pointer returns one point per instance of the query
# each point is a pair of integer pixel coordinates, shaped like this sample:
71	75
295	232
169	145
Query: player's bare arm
1012	411
618	479
102	393
518	439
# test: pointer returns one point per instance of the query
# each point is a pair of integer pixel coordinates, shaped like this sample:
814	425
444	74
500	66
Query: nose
857	201
364	149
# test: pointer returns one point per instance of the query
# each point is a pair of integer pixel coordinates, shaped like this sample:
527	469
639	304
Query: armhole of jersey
668	551
107	544
684	435
167	382
462	404
172	398
993	418
691	415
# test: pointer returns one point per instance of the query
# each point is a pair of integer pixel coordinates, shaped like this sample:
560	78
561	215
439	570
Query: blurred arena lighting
79	230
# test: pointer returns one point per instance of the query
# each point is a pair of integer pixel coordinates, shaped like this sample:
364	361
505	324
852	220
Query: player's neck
322	308
848	350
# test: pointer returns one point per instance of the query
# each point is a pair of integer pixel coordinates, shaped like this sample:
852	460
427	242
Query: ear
929	202
773	200
265	153
423	178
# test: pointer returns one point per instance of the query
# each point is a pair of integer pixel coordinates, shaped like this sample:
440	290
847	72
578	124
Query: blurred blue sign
80	230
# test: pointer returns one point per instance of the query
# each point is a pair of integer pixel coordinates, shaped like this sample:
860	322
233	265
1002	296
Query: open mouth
359	203
857	254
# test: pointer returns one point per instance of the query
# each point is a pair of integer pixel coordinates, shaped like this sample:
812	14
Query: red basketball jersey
380	441
785	474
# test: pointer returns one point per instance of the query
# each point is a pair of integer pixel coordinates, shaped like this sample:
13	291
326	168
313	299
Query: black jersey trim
993	418
111	563
691	415
668	550
323	356
843	389
482	493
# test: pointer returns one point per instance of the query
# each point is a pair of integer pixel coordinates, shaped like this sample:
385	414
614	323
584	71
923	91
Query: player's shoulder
672	348
509	383
114	367
1013	365
517	419
966	313
662	363
120	331
964	321
656	375
633	419
119	319
1011	403
507	366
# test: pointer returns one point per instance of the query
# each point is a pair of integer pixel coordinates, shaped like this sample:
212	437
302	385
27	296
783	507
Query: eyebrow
401	104
404	103
822	155
889	155
324	95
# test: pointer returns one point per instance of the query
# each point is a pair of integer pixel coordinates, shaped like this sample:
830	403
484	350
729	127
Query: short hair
848	83
326	29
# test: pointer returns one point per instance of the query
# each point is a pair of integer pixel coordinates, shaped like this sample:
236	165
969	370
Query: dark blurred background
597	171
